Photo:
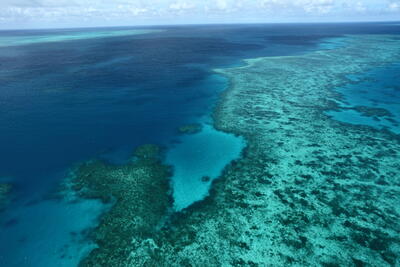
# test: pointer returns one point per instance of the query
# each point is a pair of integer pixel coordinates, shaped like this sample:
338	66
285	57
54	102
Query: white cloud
15	12
222	4
317	6
309	7
394	6
181	5
360	7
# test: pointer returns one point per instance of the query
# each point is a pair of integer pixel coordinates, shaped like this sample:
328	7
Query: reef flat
372	98
140	196
70	36
190	128
4	191
307	191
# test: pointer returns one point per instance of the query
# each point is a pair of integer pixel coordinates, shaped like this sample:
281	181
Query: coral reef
190	128
140	194
308	190
50	38
4	191
373	112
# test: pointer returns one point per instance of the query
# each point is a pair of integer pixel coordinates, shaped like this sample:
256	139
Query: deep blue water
378	88
65	102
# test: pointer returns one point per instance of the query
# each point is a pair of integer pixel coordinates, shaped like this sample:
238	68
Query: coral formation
190	128
308	190
373	112
50	38
205	179
140	193
4	191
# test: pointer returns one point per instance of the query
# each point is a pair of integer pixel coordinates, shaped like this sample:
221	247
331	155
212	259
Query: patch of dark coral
372	111
190	128
140	193
4	195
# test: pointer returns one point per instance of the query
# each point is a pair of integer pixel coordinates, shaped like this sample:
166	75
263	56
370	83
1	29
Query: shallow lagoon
63	244
376	89
197	160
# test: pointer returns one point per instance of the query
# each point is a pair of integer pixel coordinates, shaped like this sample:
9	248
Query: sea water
70	35
67	98
197	160
378	88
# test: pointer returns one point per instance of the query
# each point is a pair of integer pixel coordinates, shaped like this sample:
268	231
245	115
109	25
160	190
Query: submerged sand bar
69	36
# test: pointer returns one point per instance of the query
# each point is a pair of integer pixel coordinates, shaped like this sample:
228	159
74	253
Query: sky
18	14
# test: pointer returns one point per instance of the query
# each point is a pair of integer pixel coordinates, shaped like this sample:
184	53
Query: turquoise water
377	89
71	96
46	246
67	36
204	154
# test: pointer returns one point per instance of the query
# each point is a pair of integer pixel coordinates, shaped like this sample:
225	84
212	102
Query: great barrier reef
201	145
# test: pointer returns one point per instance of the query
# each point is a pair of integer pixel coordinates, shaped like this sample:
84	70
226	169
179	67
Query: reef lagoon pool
197	160
371	98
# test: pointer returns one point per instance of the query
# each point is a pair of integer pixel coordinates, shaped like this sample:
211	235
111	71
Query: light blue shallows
197	156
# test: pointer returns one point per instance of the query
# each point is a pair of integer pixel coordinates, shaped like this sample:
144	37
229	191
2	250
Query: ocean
69	96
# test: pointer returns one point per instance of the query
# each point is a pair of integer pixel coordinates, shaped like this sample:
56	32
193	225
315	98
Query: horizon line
202	24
